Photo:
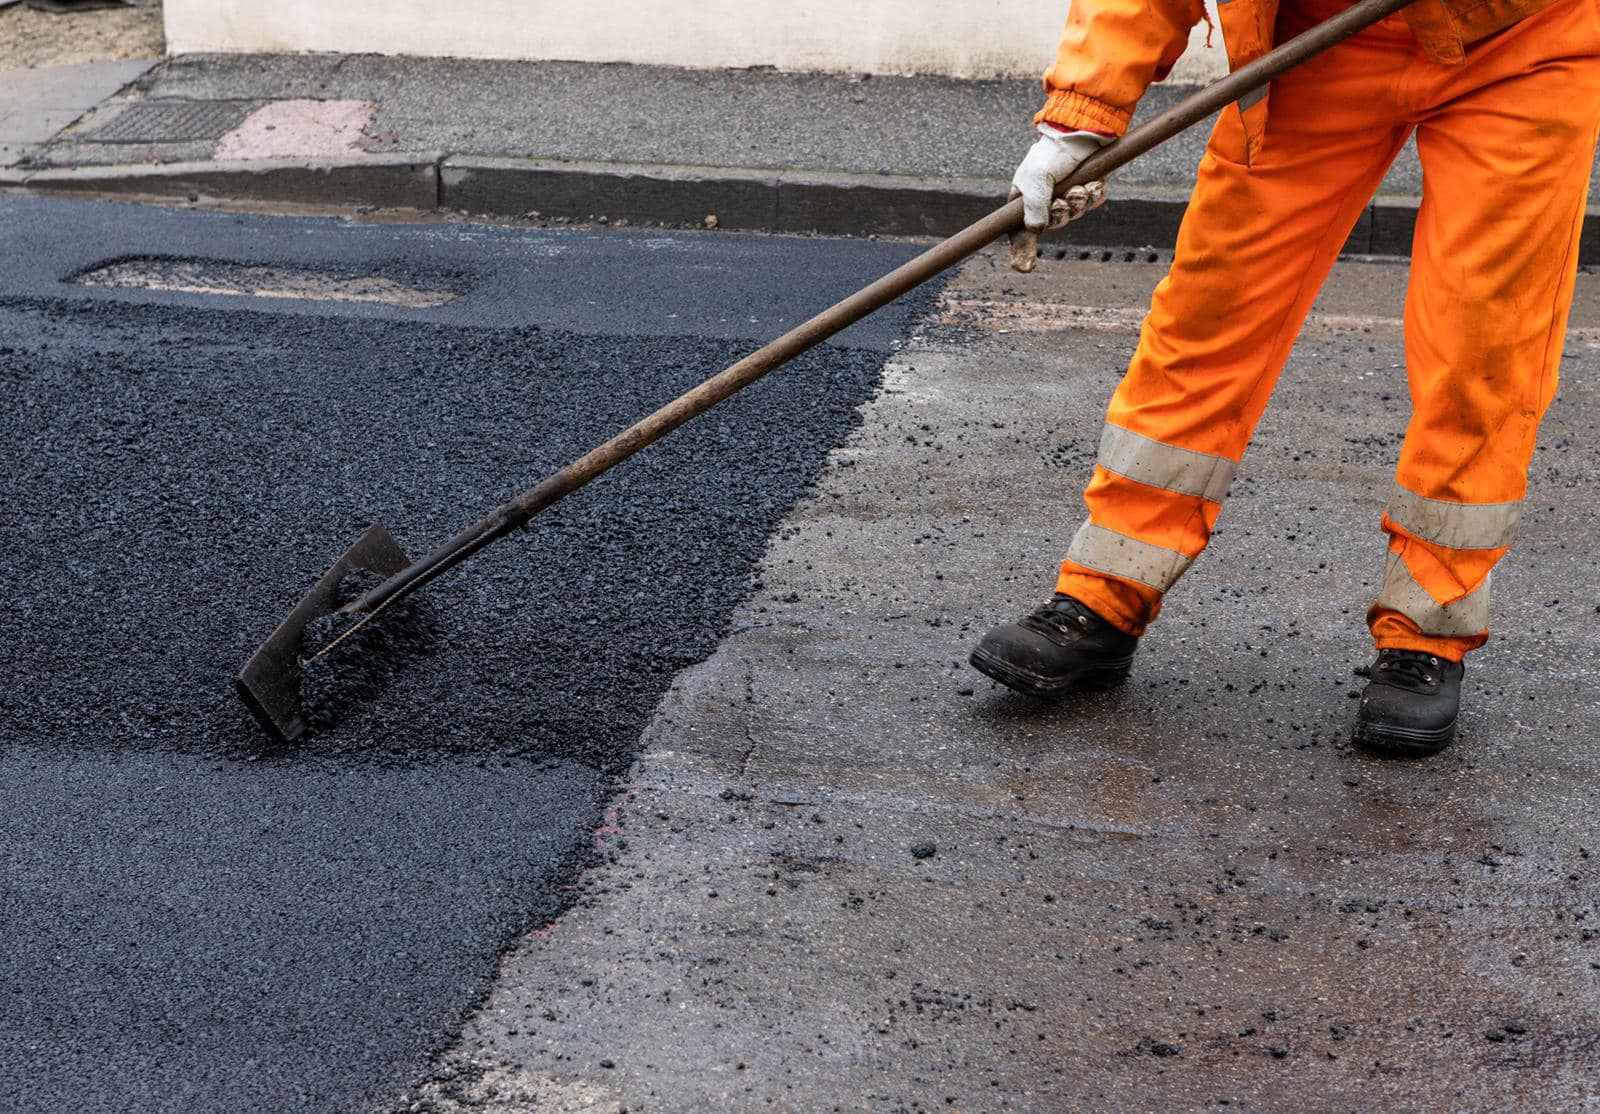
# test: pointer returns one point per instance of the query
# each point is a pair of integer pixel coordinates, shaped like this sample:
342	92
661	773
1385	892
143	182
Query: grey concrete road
848	873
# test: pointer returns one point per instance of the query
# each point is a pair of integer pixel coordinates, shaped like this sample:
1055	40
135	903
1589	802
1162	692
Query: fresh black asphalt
197	920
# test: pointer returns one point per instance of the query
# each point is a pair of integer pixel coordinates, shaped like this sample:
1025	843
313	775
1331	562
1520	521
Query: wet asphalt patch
200	920
173	505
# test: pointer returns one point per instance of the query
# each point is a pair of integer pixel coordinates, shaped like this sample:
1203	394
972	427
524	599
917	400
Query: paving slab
926	127
296	129
832	154
848	872
36	104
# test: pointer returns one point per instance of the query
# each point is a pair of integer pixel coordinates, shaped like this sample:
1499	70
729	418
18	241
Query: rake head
269	684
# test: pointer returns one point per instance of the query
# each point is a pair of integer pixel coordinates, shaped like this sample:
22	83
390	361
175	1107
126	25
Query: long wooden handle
935	261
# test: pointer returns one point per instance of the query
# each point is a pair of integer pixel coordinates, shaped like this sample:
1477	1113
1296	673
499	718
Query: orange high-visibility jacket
1114	49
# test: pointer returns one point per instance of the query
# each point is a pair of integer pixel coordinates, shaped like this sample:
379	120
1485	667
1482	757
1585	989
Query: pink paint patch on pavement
298	129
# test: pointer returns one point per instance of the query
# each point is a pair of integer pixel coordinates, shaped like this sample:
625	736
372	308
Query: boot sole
1393	741
1094	678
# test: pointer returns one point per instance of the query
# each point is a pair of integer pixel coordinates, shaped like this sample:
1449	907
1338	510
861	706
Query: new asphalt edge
834	204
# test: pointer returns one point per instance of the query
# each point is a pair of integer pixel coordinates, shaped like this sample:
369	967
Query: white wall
962	38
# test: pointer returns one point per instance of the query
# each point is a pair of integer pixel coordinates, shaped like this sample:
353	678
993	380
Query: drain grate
172	121
1106	255
203	276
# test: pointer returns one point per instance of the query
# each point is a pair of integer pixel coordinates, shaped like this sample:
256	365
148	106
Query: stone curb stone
1394	223
882	204
748	200
742	199
1394	220
783	201
789	201
382	181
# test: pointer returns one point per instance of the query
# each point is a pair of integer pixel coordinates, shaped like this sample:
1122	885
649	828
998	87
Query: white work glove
1054	157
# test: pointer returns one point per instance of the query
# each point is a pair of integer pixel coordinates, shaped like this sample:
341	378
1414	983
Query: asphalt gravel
198	919
348	660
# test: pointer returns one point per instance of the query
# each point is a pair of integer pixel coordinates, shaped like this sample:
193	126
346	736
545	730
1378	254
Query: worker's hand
1054	157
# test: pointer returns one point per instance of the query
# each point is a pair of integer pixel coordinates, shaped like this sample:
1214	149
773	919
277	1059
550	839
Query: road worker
1503	98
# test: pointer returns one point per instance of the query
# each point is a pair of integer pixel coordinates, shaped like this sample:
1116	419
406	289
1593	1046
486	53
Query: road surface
878	881
195	920
695	805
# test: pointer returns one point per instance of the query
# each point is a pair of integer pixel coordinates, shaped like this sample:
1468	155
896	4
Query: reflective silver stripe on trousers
1107	551
1401	592
1165	466
1455	525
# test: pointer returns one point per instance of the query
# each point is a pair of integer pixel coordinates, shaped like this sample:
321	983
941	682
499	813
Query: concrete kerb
1394	223
741	199
834	204
744	199
882	204
382	181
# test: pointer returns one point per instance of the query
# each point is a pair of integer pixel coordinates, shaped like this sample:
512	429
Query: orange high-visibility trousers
1507	143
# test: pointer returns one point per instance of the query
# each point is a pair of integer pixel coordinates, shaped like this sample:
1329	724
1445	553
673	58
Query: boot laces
1061	615
1410	669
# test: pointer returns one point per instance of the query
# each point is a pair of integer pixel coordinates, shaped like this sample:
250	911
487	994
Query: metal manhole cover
173	122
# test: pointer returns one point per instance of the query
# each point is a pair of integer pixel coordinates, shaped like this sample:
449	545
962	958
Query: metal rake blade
269	683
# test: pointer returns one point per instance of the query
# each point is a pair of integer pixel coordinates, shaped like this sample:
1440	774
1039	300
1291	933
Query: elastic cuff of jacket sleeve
1076	112
1058	132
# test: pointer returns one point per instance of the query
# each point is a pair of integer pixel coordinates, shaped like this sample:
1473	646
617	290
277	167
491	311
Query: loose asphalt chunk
198	920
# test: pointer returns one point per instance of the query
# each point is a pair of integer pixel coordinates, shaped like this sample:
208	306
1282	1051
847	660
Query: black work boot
1410	705
1062	647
